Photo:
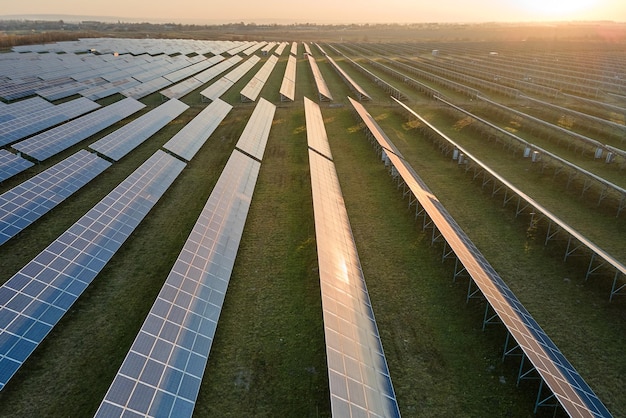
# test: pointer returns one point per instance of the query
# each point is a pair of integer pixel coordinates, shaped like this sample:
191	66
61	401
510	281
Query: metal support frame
490	318
615	289
544	402
526	374
570	250
551	233
472	293
458	272
447	251
515	350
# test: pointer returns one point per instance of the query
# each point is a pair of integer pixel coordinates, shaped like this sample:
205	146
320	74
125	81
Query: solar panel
186	72
188	141
351	83
209	74
315	130
253	88
181	89
67	90
36	298
322	87
281	48
27	202
120	142
20	127
569	388
220	87
146	88
11	164
26	107
288	86
108	89
216	89
360	384
53	141
254	136
162	372
251	50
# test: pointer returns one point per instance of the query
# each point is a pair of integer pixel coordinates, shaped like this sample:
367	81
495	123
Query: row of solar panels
58	78
566	385
35	298
360	382
163	369
42	114
97	76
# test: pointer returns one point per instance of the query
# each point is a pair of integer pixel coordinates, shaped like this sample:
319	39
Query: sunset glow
322	11
558	9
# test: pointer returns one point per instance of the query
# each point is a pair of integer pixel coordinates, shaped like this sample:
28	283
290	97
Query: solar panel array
322	87
360	384
252	49
599	256
267	48
146	88
281	48
11	164
209	74
254	136
68	89
188	141
315	129
569	388
240	47
220	87
56	76
25	107
188	71
20	127
108	89
181	89
288	86
55	140
27	202
307	48
120	142
36	298
360	92
252	90
162	372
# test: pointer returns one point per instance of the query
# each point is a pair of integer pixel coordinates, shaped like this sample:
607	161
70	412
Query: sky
325	11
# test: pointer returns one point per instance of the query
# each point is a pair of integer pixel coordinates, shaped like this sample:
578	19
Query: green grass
268	357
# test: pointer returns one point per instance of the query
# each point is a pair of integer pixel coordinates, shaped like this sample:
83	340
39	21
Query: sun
558	8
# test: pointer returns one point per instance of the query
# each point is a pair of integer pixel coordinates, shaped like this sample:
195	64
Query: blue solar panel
163	370
20	127
39	294
119	143
53	141
25	107
46	190
11	164
188	141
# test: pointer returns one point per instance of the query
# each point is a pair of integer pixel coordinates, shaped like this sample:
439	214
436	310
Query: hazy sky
326	11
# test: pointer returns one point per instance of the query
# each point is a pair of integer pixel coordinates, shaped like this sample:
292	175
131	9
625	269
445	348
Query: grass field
268	358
